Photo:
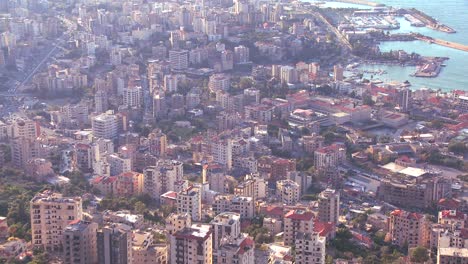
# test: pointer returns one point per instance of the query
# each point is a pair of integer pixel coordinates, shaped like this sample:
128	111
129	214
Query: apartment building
329	156
145	251
297	221
245	206
329	206
114	244
407	229
80	243
189	201
288	191
161	178
50	215
310	248
192	245
105	126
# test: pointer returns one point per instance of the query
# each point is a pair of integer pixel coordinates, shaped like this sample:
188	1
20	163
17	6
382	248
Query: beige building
50	215
407	228
176	222
105	126
192	245
161	178
329	156
145	251
245	206
310	248
297	221
452	256
80	243
288	191
329	206
189	201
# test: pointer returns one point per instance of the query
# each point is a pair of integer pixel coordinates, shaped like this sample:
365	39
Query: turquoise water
450	12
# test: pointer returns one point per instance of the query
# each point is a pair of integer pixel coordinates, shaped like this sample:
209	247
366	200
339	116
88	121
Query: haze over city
233	132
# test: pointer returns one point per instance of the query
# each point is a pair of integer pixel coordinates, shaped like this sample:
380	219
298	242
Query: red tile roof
299	215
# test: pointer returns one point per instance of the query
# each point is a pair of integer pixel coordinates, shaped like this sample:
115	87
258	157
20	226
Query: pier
361	2
429	21
442	42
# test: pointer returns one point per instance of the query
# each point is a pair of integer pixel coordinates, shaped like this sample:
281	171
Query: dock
442	42
429	21
361	2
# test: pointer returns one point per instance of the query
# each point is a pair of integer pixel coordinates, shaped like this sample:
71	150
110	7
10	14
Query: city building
192	245
114	245
329	156
329	206
146	251
407	229
105	126
310	248
189	201
288	191
80	243
297	221
50	215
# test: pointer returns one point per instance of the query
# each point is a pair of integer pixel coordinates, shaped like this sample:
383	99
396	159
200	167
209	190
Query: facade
178	59
50	215
192	245
189	201
105	126
161	178
80	243
310	248
407	228
114	245
329	206
288	191
297	221
329	156
144	251
245	206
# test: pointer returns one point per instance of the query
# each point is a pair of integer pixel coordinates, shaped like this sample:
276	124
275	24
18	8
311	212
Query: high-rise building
25	128
215	175
189	201
297	221
145	251
338	73
114	245
241	54
407	229
221	149
329	206
310	248
23	150
329	156
105	126
176	222
133	97
219	82
157	143
245	206
192	245
289	191
50	215
229	244
178	59
160	179
80	243
404	99
288	74
100	102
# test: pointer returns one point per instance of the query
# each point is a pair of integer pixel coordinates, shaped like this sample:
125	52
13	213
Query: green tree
419	255
140	207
